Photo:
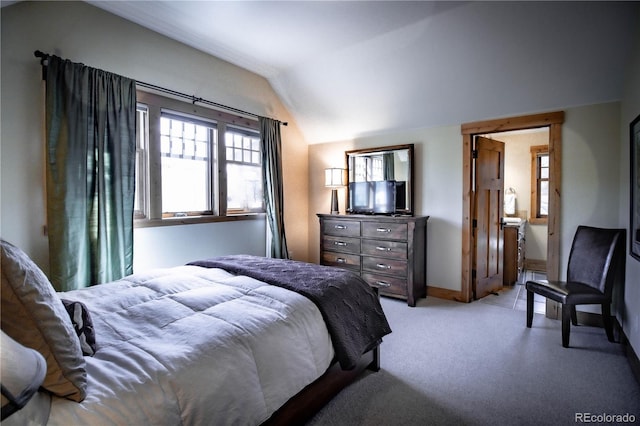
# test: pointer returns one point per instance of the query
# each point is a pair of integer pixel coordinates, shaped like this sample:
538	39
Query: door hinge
474	154
474	274
474	223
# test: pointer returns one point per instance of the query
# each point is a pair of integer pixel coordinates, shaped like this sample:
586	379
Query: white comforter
195	346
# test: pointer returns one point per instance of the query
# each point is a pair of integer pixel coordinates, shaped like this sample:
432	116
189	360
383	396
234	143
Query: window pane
142	136
184	185
189	149
544	198
244	187
202	150
544	160
544	173
136	200
186	166
244	171
165	147
176	147
164	126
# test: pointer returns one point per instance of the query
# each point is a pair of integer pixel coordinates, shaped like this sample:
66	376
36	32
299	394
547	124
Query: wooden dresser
513	252
389	252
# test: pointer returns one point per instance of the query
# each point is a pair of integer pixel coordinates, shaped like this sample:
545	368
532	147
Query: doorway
469	131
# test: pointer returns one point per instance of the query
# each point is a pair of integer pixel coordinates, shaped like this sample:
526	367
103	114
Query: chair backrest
597	257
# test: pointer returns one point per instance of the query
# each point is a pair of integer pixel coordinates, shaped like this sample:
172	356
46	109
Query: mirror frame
409	210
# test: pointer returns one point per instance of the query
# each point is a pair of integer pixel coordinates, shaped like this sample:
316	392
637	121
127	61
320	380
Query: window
369	168
244	171
188	166
184	171
142	130
539	184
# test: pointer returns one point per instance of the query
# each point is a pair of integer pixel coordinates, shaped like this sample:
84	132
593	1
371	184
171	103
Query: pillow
33	315
81	320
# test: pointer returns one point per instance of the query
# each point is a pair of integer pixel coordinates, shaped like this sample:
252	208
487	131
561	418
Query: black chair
596	261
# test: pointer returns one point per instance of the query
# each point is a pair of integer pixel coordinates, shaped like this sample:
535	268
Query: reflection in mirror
380	180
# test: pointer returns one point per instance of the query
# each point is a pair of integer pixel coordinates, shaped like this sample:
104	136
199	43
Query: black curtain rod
44	56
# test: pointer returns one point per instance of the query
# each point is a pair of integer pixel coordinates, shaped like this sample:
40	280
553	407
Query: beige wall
83	33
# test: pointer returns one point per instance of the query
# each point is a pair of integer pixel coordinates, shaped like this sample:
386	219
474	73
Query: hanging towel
510	201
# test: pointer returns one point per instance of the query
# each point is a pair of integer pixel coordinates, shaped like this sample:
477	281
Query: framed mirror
380	180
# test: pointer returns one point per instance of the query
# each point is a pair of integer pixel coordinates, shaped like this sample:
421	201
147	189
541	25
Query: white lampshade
334	178
22	372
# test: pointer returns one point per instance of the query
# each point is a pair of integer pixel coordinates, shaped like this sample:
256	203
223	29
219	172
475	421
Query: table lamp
334	178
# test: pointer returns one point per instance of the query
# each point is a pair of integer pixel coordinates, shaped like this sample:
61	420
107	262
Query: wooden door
487	220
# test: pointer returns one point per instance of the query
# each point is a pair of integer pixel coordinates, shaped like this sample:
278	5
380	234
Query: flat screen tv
401	195
373	197
361	197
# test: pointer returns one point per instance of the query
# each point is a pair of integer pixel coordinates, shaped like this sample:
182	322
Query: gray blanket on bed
350	308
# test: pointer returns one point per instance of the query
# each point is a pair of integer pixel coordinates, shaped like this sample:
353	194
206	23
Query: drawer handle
340	243
385	230
383	284
340	227
383	266
383	248
341	260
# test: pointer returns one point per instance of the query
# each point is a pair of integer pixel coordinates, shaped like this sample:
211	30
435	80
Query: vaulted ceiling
350	68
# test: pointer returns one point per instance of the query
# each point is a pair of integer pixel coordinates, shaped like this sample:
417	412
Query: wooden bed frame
306	403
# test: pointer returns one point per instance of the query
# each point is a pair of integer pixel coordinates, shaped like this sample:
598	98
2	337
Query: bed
232	340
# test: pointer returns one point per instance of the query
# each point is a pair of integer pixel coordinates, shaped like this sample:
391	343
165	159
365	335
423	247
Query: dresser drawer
386	230
341	244
341	260
386	284
384	266
389	249
341	228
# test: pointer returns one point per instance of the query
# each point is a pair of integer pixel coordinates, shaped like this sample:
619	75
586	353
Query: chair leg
608	323
574	315
529	308
566	324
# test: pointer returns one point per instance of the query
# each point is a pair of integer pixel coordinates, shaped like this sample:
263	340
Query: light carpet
477	364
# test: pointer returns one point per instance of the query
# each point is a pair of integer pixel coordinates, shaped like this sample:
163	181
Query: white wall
177	245
83	33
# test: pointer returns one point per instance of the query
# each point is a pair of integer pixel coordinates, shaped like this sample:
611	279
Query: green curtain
91	147
272	179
